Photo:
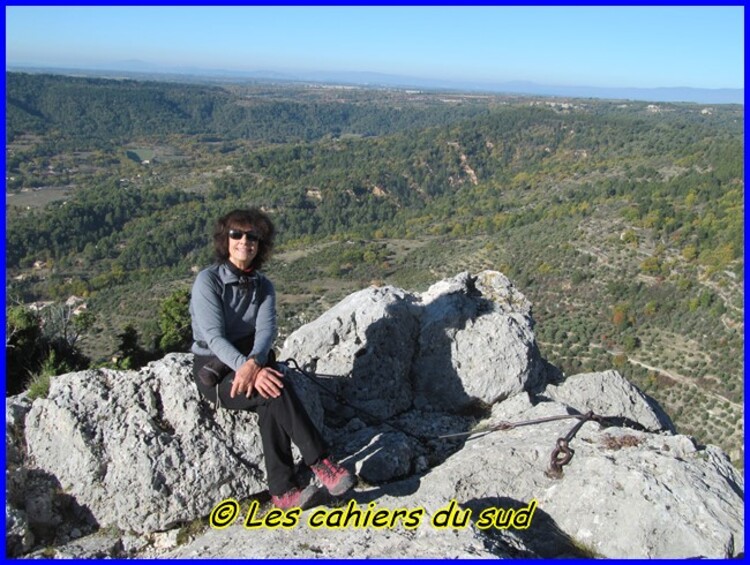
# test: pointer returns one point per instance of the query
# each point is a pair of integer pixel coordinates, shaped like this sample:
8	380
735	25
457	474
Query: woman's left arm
253	375
265	323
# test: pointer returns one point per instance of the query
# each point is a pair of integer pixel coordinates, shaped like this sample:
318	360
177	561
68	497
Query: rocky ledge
116	463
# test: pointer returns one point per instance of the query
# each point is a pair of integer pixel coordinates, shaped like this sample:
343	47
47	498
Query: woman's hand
251	376
244	379
268	383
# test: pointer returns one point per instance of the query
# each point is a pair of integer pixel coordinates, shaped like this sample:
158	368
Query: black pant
282	420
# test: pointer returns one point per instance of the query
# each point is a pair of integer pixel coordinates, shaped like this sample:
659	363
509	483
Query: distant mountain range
143	70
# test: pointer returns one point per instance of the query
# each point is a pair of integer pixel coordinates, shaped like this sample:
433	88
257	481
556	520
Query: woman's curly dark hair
237	219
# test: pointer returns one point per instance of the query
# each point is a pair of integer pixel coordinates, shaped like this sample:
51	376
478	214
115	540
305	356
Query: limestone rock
367	338
303	541
466	339
380	457
501	291
141	449
37	510
16	408
609	394
18	535
102	545
476	342
625	493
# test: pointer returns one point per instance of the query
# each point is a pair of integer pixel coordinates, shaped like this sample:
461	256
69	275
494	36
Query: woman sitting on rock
233	310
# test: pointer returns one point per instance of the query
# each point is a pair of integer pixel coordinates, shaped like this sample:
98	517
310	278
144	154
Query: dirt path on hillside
680	379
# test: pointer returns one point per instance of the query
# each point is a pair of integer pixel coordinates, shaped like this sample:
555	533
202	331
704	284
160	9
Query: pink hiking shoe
333	476
294	498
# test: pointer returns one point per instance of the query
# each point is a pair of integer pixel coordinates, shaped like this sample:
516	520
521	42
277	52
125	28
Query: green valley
621	221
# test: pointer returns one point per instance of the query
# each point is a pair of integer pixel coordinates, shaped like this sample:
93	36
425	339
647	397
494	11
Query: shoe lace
328	469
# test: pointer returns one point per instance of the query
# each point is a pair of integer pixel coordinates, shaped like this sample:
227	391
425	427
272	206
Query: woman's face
242	251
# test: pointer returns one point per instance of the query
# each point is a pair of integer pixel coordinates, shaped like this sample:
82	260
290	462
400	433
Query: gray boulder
19	537
379	457
476	342
465	340
367	339
37	510
609	394
141	450
625	493
104	544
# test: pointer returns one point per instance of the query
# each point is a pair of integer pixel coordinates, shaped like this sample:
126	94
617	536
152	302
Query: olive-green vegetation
621	221
43	343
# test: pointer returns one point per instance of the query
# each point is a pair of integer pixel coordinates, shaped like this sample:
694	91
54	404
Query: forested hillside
622	221
81	113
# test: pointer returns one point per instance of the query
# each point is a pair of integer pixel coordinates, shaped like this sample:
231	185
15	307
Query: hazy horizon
143	70
630	47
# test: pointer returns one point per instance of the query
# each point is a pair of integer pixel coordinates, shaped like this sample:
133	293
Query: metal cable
561	455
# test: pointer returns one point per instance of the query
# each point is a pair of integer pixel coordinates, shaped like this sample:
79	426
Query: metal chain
562	454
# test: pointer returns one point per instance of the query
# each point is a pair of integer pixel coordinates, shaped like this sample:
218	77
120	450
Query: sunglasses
237	234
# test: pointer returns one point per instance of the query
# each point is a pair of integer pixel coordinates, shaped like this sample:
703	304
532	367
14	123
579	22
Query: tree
175	323
630	343
42	343
651	265
689	252
22	346
129	355
40	382
621	316
62	323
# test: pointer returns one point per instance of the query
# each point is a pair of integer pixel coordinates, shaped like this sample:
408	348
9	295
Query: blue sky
645	47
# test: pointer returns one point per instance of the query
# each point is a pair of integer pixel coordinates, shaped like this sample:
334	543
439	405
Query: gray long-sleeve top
225	309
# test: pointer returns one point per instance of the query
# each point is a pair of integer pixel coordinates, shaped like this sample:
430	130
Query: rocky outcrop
368	338
476	342
18	535
626	494
465	340
141	451
609	393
